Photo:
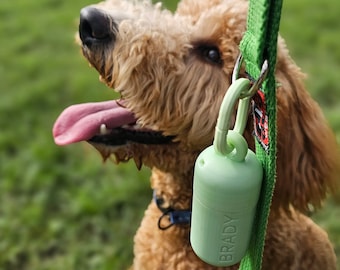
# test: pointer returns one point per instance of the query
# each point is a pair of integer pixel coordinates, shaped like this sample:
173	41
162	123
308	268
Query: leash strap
259	44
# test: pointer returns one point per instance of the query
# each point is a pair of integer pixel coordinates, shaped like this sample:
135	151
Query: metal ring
256	85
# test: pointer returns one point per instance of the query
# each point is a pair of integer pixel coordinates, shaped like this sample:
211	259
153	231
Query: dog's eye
211	54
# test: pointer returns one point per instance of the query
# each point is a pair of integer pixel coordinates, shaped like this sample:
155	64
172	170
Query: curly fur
158	68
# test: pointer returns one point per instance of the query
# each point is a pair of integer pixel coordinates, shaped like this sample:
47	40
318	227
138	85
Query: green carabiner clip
231	142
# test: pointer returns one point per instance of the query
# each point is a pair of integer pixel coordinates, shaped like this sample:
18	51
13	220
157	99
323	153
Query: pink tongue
81	122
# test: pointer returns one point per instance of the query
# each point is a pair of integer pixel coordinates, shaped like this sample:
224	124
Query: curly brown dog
172	71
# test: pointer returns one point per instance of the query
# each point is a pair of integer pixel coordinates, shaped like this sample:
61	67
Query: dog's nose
95	26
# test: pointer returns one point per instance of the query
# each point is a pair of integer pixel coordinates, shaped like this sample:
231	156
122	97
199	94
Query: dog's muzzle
96	27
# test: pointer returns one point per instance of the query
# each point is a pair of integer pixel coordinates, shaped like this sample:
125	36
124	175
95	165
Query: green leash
259	44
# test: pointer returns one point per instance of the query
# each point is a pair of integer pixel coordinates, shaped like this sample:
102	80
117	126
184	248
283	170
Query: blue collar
175	217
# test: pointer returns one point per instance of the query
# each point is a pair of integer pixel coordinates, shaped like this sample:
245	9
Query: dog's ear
307	153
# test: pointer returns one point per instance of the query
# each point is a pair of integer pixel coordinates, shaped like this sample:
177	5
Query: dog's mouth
107	123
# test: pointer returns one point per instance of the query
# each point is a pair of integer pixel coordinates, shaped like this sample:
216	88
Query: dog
172	71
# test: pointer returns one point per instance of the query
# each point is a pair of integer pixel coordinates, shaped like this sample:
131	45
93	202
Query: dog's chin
117	154
125	143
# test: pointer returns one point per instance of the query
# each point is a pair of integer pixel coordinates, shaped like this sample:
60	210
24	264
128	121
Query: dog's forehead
222	19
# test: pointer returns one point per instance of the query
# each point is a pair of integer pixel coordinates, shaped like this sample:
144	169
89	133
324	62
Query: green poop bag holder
227	183
227	227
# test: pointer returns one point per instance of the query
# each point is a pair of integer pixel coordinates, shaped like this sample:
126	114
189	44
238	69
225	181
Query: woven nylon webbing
260	43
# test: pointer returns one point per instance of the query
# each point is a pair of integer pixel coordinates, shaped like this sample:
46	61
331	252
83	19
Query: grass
60	207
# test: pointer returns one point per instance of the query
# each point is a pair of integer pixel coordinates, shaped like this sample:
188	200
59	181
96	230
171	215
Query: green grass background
61	207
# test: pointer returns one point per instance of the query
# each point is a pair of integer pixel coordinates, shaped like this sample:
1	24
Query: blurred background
61	207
